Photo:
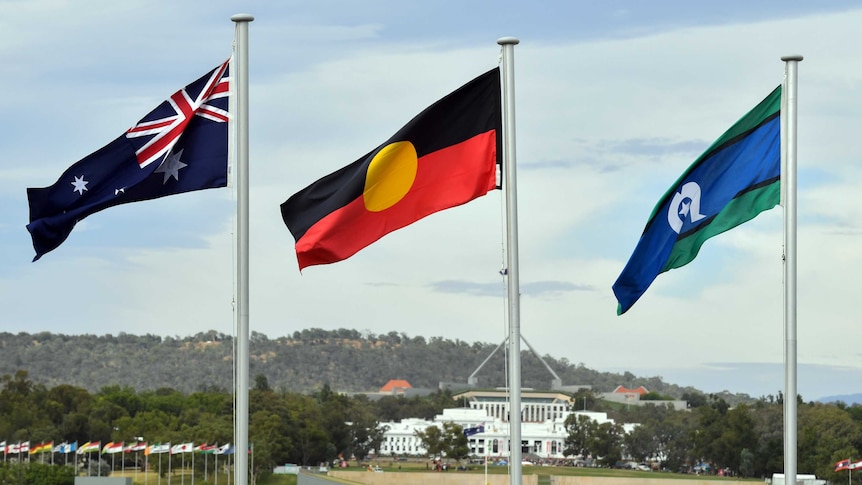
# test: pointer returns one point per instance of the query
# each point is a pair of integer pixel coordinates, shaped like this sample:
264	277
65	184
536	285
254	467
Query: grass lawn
152	478
419	467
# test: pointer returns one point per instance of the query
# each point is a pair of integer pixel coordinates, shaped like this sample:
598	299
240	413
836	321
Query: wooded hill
345	359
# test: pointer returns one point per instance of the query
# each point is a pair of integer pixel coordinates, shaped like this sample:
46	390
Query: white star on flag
171	166
80	185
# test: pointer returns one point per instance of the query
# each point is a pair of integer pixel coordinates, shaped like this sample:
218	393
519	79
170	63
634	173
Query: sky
613	101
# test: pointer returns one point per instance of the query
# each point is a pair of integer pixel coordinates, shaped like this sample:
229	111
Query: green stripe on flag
740	210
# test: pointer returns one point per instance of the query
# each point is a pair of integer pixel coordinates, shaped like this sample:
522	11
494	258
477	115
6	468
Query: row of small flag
113	447
848	465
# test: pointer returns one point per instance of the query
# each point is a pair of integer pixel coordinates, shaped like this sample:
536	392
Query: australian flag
180	146
474	430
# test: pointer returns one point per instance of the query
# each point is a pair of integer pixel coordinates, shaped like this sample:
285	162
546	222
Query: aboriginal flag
446	156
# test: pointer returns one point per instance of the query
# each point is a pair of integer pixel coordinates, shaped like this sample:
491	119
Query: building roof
623	390
527	396
395	384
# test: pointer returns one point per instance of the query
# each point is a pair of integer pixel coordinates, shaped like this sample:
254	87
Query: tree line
324	426
746	439
285	427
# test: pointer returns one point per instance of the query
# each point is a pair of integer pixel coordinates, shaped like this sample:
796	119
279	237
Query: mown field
390	466
152	478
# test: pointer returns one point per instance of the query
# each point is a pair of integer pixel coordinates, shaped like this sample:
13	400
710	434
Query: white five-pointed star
171	166
80	185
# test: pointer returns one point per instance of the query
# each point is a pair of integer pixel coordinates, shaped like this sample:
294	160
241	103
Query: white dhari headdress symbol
686	202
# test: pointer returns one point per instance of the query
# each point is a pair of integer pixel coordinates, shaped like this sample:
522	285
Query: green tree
307	432
579	428
455	444
607	442
641	442
826	434
746	463
676	437
584	399
737	435
432	440
366	434
769	427
333	409
261	383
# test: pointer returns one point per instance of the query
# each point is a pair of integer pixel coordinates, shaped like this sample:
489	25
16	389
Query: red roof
394	384
622	390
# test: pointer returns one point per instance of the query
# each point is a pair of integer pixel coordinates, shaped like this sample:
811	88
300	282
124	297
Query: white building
545	439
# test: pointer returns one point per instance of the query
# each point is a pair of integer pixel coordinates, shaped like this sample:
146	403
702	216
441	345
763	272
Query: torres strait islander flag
446	156
180	146
737	178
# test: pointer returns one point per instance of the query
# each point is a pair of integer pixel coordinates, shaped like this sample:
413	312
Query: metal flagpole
241	362
789	150
514	294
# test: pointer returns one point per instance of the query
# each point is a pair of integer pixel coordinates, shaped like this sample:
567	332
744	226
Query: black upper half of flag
180	146
472	109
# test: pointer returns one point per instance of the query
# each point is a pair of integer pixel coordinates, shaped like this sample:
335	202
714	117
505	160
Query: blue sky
613	101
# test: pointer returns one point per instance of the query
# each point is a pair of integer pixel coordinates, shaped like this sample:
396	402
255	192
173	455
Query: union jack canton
187	135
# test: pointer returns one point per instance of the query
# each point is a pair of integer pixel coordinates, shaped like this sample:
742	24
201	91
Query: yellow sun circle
390	175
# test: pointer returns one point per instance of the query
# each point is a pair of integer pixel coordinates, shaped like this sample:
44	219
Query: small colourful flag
182	448
112	448
158	448
90	447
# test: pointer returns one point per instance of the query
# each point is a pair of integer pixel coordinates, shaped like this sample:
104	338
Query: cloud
543	289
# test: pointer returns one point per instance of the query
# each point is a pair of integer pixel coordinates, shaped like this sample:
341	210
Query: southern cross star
80	185
171	166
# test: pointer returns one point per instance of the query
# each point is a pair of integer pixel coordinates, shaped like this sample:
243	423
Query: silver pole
790	413
514	294
240	76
